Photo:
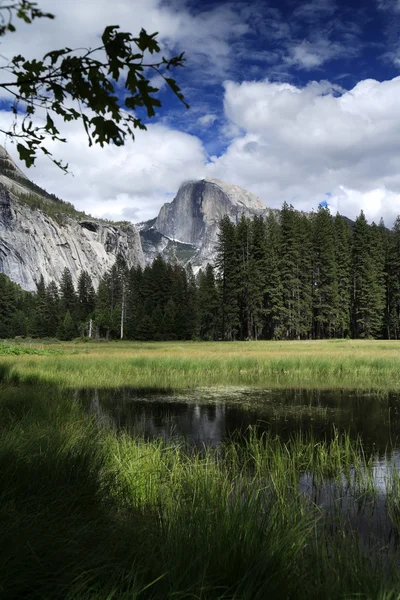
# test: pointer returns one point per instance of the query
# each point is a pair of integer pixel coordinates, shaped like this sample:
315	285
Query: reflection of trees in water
197	423
282	412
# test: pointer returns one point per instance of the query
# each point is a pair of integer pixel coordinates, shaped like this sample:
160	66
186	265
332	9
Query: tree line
286	276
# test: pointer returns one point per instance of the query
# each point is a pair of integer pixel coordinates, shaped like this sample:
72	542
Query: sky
294	101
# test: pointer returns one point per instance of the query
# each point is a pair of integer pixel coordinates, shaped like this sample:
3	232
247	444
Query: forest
287	276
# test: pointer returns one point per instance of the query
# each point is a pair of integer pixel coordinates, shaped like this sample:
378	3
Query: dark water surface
208	417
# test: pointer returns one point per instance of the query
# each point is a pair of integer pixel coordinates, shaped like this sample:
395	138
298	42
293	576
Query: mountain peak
237	194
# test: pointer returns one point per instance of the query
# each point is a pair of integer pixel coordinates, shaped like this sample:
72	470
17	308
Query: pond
209	417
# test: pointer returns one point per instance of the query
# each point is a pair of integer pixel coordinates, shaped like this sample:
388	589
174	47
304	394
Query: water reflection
207	418
210	417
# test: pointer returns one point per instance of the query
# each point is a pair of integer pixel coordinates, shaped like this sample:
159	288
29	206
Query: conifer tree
208	305
378	291
289	268
243	290
368	288
86	297
189	308
273	293
40	327
325	284
134	301
8	306
228	274
393	283
257	276
52	309
304	276
343	256
103	312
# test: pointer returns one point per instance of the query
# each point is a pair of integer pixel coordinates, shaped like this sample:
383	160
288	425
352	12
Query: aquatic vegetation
93	513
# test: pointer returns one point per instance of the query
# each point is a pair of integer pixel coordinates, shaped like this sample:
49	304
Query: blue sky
342	42
295	101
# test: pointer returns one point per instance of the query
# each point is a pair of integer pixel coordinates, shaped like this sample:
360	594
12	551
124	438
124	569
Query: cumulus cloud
129	182
287	143
297	144
206	36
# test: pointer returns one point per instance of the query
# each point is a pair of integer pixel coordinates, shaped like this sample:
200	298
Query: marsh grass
87	513
336	364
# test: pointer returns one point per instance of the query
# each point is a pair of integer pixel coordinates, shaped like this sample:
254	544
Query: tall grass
167	367
91	514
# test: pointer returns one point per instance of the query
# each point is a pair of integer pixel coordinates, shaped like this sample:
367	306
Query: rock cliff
188	226
41	235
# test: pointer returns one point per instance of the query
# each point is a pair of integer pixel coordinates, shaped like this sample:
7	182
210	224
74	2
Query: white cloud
129	182
205	37
288	143
313	54
297	144
207	120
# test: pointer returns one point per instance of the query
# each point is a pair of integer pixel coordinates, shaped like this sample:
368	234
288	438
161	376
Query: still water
208	417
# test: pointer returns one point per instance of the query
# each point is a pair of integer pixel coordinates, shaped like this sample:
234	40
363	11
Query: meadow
93	513
327	364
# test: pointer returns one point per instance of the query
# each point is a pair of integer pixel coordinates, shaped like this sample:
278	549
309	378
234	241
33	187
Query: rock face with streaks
189	224
35	242
41	235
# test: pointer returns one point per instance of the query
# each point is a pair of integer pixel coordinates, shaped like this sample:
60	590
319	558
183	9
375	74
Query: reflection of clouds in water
384	469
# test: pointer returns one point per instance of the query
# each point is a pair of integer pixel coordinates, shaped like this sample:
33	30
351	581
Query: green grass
10	349
87	513
337	364
93	514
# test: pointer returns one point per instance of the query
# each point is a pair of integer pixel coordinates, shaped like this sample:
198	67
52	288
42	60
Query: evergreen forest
287	276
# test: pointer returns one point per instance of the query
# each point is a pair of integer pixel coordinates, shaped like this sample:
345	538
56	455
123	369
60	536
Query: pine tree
8	306
86	297
228	276
273	292
170	317
243	291
40	326
368	284
134	301
257	276
189	308
289	267
68	303
325	284
304	276
67	330
52	309
343	257
208	305
103	312
378	291
393	283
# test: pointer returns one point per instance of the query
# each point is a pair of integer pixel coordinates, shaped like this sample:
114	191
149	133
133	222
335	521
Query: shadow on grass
78	519
69	527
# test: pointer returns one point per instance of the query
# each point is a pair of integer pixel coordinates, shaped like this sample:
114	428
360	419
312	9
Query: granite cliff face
188	226
35	242
41	235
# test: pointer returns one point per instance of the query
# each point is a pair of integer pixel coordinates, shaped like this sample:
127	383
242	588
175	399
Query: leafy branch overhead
108	88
